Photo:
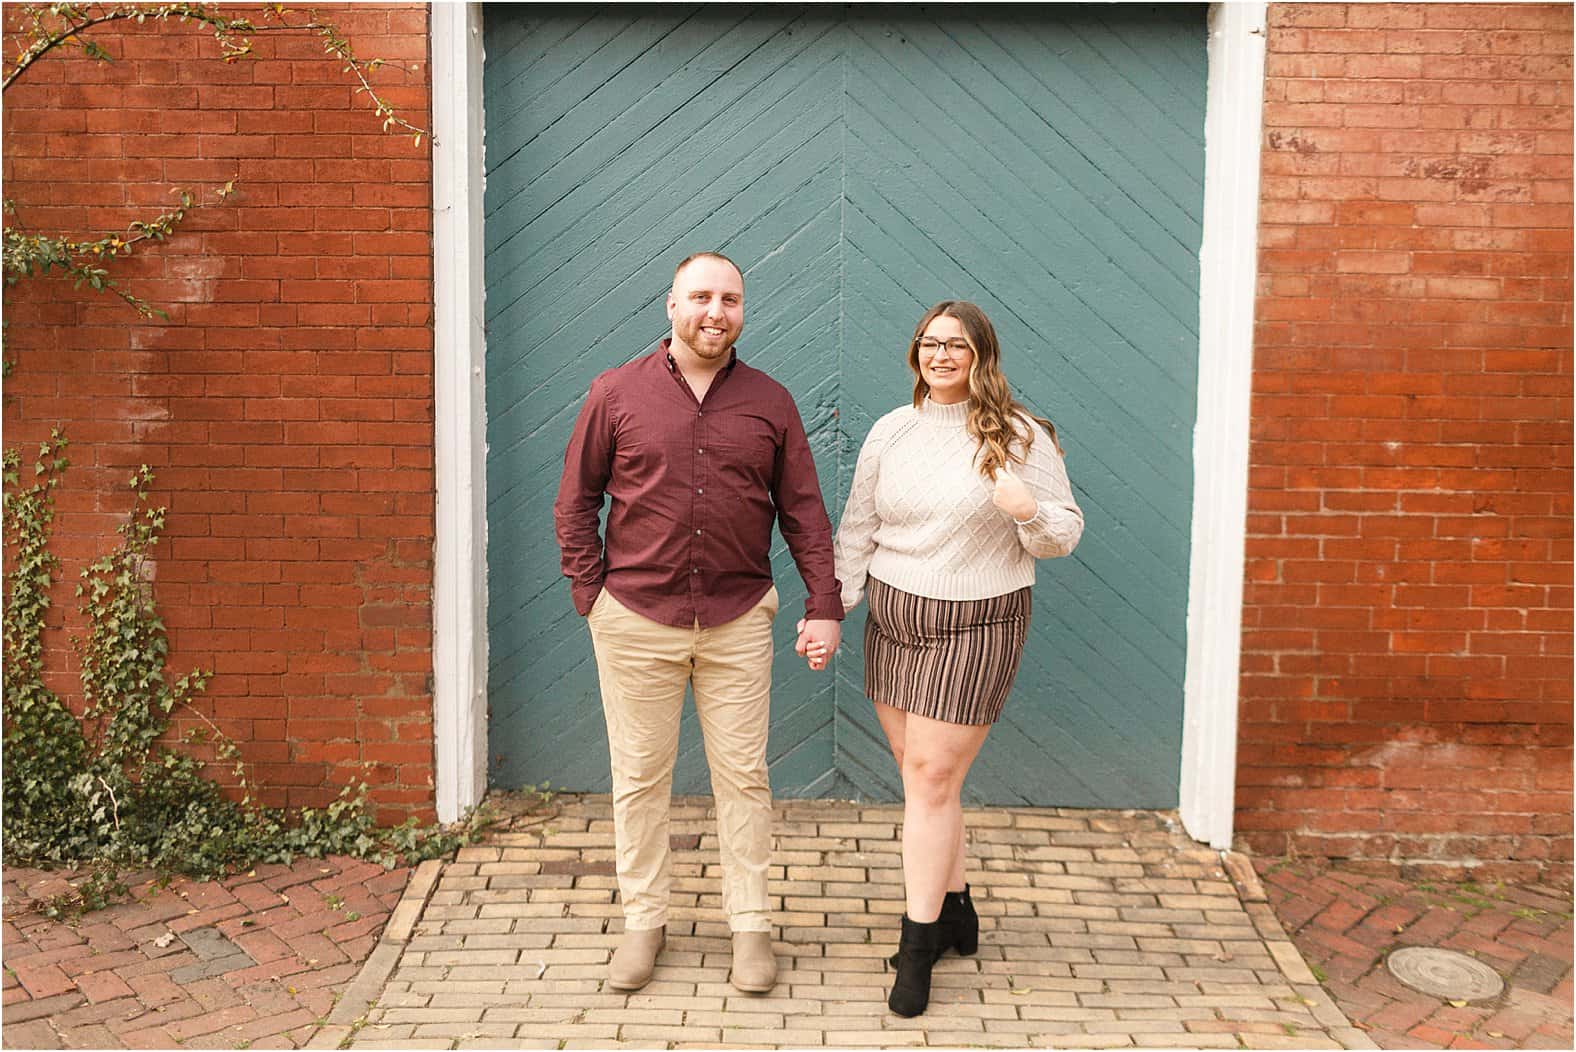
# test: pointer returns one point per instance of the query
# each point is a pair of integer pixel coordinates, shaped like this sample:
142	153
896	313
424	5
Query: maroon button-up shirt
695	487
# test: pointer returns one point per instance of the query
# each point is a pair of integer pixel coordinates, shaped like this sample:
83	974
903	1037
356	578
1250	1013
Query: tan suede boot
635	958
754	964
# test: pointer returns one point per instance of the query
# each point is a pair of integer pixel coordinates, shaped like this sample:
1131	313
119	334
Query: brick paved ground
1345	923
254	961
1098	929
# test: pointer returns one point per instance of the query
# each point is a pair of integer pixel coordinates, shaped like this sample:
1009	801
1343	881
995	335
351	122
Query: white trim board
1228	267
459	588
1233	120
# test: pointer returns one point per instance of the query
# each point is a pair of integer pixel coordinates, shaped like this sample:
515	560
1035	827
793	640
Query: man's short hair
687	260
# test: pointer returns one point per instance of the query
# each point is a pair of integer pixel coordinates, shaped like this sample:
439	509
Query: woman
953	499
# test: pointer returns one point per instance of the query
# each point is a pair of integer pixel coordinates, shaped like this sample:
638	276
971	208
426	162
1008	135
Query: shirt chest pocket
743	449
656	446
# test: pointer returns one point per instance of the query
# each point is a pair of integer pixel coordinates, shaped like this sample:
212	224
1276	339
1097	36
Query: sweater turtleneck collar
954	415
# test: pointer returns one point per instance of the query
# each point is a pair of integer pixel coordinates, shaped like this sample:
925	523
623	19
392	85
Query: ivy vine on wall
39	30
113	790
106	791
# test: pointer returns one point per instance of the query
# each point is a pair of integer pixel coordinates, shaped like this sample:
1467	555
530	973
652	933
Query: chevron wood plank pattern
860	163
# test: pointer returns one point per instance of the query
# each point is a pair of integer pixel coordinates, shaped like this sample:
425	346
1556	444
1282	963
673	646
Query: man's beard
711	351
709	347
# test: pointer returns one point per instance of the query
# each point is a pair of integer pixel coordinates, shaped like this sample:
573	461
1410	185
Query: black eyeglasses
955	346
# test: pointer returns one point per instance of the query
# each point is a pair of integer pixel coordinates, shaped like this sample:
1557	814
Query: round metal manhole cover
1445	974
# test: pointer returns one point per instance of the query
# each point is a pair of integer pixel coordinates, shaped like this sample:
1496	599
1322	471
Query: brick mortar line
1239	868
1288	958
367	986
1250	891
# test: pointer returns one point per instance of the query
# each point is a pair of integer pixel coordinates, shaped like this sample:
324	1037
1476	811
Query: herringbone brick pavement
254	961
1346	923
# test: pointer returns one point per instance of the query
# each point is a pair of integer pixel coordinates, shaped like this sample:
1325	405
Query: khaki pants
643	666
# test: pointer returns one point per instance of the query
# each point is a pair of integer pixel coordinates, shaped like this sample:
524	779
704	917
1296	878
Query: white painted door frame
1228	280
459	584
1228	257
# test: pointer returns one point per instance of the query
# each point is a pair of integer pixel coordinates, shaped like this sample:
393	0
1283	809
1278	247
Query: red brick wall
1406	675
287	403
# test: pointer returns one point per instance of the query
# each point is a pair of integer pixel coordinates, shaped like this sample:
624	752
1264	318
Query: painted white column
459	601
1233	124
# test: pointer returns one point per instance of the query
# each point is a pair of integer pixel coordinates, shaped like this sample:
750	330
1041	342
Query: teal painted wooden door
1043	161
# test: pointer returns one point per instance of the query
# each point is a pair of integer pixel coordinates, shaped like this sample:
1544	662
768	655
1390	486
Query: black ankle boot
917	954
965	922
960	925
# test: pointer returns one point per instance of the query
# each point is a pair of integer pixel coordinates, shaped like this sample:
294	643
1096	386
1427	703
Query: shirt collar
673	365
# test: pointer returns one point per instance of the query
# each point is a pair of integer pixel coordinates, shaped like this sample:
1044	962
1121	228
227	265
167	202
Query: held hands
1012	496
818	641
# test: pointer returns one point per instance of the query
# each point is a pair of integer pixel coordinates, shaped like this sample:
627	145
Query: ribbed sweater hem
916	579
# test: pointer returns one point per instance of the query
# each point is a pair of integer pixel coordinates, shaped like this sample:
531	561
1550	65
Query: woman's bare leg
894	722
936	760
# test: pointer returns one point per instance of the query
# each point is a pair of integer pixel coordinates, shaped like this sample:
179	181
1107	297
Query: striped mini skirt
951	660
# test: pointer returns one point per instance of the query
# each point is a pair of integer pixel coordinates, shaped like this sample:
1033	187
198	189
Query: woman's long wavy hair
994	414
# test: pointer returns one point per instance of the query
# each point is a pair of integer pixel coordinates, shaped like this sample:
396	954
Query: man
699	453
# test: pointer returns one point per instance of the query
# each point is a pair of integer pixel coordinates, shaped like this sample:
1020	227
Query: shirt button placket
698	518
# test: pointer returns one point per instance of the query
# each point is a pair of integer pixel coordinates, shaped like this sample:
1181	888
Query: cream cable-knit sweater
919	515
